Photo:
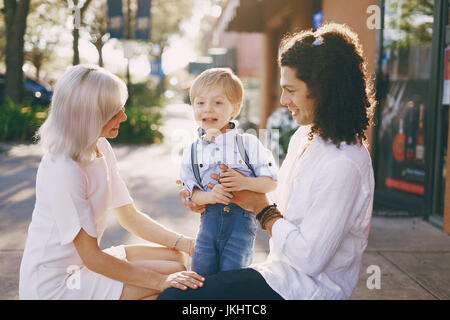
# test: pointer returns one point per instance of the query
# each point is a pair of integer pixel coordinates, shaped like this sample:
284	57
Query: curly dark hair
330	61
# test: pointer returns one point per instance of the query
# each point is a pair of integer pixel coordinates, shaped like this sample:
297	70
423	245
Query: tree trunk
76	31
100	57
161	87
99	46
15	19
129	86
76	52
38	72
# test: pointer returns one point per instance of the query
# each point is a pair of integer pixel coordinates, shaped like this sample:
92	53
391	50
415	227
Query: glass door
442	117
404	94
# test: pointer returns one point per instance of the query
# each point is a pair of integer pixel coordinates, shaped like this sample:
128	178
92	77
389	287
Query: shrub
141	127
20	121
145	94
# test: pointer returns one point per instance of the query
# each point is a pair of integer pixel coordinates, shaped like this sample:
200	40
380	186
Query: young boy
227	232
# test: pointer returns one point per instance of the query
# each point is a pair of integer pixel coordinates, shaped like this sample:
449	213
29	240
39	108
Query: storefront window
444	115
405	75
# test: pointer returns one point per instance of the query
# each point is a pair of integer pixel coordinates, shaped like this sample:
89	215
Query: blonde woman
77	182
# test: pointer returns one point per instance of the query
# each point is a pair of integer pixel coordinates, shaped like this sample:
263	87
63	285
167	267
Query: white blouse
68	198
326	197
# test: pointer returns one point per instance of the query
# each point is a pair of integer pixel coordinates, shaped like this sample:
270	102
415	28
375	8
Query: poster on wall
402	137
446	89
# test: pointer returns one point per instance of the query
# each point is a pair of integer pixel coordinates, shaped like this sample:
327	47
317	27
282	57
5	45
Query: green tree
167	16
96	25
45	24
2	41
413	20
15	12
78	9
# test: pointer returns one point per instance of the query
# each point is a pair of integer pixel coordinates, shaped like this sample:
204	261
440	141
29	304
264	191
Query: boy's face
212	109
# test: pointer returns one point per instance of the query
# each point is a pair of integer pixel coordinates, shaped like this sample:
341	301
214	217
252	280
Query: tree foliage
45	25
413	20
167	16
96	22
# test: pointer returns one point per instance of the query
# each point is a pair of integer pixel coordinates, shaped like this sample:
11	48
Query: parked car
35	91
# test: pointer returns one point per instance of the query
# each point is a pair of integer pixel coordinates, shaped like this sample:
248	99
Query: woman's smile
294	111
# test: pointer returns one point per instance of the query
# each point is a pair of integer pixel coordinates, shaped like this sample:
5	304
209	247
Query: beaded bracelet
268	215
259	215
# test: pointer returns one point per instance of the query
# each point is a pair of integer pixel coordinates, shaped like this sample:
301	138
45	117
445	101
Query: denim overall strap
194	162
243	153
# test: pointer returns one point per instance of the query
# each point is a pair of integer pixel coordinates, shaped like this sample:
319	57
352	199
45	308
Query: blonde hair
222	78
86	97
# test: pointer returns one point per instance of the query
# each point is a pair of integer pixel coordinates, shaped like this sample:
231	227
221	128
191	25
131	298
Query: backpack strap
243	152
194	162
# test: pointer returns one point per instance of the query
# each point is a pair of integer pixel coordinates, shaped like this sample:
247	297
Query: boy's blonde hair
222	78
86	97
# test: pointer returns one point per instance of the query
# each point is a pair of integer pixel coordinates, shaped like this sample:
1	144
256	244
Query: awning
241	16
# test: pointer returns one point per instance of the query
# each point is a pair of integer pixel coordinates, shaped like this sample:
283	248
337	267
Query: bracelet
275	216
176	242
270	214
267	216
259	215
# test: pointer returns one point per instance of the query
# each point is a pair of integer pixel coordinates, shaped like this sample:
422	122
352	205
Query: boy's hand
219	195
233	180
190	205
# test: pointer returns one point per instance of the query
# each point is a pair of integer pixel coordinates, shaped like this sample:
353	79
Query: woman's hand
181	280
186	244
250	201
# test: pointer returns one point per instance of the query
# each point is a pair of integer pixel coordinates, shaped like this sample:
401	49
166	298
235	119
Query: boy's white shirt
224	150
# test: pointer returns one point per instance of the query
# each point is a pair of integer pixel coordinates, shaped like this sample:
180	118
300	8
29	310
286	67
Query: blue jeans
241	284
225	240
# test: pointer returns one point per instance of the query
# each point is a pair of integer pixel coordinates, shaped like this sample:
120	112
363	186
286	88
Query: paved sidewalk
413	256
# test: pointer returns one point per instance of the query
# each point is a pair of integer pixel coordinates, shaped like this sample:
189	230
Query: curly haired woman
320	224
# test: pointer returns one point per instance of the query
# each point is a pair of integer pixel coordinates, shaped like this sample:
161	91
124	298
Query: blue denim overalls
227	233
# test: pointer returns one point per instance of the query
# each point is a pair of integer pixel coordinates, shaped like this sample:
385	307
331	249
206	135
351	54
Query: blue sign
317	19
156	68
143	21
115	19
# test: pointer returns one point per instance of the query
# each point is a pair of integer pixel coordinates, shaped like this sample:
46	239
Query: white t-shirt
68	198
326	197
